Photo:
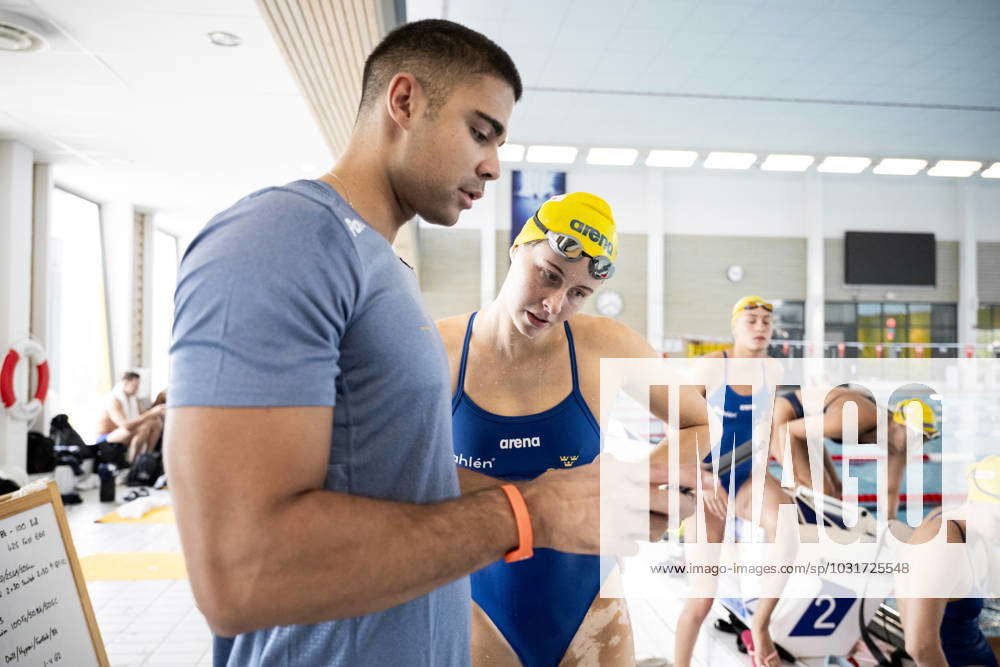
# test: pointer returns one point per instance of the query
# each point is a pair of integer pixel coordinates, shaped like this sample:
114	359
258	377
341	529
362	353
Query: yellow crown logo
568	461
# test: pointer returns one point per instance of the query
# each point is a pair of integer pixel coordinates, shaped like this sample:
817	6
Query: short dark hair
439	54
129	375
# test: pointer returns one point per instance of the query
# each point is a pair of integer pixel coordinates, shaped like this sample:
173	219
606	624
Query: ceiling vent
21	34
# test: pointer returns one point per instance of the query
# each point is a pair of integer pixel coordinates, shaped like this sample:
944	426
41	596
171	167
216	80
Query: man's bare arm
471	481
266	545
117	415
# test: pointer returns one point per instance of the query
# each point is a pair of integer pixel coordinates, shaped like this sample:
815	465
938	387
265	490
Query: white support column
487	264
146	282
407	244
16	180
655	224
815	319
118	230
499	210
41	214
488	243
968	289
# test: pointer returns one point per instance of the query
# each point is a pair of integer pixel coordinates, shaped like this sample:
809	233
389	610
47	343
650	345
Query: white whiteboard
42	619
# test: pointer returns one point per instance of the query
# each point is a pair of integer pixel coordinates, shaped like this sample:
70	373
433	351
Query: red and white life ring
35	353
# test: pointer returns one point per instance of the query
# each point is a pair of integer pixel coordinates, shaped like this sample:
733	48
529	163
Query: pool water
866	473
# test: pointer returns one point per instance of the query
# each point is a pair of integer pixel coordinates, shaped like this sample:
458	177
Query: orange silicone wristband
524	535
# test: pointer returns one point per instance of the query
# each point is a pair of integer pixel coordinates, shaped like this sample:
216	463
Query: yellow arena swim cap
930	427
576	224
984	480
749	303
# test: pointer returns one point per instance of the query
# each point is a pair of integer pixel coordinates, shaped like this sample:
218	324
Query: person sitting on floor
121	420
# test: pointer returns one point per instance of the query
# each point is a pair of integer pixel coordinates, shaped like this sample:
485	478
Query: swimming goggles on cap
750	305
569	248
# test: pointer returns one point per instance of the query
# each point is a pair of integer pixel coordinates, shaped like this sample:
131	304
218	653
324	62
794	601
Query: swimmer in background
752	325
943	631
789	430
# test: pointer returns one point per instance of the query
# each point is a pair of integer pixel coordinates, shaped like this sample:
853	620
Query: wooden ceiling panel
325	43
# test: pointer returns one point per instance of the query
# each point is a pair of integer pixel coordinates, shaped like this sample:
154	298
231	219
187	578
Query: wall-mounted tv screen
882	258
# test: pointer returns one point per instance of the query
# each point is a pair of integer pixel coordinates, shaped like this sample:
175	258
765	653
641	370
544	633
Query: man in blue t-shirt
308	440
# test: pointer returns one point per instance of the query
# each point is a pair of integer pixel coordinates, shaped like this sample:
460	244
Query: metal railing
698	345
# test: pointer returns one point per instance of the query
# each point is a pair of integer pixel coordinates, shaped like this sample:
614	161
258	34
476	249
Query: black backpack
41	453
7	486
64	435
68	443
145	469
112	452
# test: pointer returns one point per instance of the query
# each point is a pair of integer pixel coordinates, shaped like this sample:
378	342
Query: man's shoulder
299	204
282	229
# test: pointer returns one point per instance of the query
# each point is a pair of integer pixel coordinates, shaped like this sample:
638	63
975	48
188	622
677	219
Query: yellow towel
158	515
136	566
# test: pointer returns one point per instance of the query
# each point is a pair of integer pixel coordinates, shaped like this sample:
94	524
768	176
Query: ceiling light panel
730	160
955	168
842	164
553	154
992	172
899	167
677	159
776	162
511	153
615	157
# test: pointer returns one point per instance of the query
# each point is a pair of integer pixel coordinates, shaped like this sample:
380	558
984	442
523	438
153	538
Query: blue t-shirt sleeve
264	296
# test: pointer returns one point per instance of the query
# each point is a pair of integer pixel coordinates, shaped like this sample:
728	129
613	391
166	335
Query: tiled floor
141	622
157	623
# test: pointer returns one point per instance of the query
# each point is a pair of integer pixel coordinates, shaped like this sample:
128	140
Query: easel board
45	612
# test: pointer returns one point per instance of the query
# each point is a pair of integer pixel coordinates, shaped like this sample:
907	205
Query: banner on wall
529	190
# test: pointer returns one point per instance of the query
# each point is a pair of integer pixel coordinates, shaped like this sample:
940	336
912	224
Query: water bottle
106	471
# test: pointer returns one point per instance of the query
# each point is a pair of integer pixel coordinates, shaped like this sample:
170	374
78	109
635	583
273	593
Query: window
162	309
841	324
919	323
789	324
78	346
944	328
988	327
916	325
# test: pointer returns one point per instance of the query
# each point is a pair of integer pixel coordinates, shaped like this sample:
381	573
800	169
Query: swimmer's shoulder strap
460	386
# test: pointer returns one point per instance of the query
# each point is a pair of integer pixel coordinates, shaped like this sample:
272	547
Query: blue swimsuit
796	404
539	603
736	412
962	641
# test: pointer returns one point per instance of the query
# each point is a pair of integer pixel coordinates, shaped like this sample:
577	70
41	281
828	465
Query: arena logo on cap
593	234
520	443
